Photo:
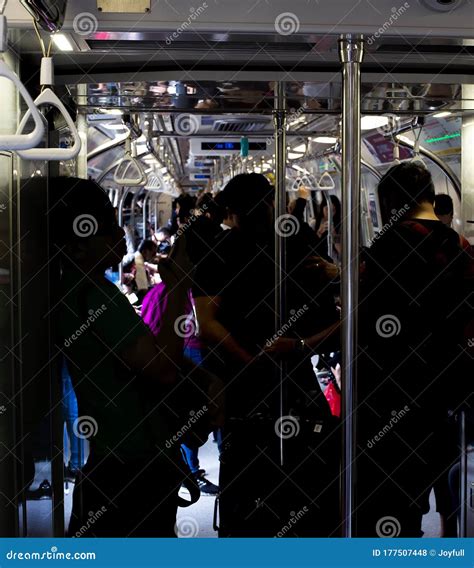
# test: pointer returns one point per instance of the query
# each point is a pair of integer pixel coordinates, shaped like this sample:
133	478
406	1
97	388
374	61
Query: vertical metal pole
12	462
57	419
351	52
280	248
145	215
125	192
467	164
81	125
462	475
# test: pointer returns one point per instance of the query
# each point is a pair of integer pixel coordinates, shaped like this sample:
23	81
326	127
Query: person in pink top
153	308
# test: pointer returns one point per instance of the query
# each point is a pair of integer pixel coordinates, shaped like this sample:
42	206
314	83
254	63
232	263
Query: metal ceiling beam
320	75
262	134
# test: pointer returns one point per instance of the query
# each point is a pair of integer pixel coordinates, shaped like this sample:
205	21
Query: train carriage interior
159	101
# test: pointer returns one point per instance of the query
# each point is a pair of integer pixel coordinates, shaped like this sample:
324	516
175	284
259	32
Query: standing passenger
122	375
234	294
413	312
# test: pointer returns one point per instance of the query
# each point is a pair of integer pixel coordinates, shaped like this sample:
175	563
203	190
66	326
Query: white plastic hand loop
48	97
130	172
21	141
305	180
325	182
154	183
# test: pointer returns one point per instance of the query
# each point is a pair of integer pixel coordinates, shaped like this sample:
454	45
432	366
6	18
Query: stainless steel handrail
351	49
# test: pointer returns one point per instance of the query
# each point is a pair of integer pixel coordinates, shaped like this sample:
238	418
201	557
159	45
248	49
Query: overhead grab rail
18	141
49	97
130	171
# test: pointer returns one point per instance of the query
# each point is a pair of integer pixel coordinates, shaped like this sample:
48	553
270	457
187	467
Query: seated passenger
413	313
122	375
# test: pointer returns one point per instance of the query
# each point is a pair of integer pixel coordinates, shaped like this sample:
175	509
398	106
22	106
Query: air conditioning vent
466	50
155	44
239	125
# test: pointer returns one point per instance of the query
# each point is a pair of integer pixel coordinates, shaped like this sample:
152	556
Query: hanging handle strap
326	182
49	97
20	141
296	184
154	182
122	172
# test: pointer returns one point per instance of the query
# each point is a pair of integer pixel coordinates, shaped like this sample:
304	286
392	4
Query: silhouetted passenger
144	268
322	227
234	294
122	375
194	350
413	312
226	222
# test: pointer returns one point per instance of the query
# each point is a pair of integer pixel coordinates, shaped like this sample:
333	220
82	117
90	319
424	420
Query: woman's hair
79	208
403	187
336	210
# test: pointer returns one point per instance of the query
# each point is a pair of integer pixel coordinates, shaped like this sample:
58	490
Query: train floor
194	521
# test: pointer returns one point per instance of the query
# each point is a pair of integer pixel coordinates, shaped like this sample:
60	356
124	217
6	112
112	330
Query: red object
334	399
